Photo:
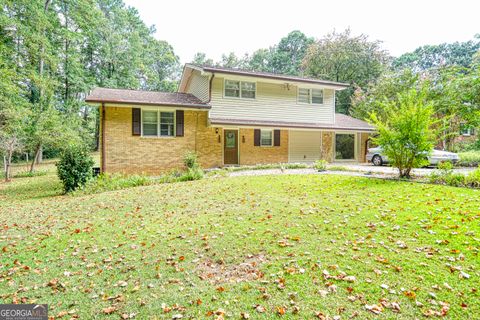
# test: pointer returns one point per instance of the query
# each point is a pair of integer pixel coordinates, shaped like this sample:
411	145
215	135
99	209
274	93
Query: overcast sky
215	26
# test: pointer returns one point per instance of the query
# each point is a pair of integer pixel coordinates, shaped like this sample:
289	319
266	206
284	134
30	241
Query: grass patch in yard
299	244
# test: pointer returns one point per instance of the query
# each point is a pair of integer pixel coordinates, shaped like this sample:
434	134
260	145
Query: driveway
348	169
369	168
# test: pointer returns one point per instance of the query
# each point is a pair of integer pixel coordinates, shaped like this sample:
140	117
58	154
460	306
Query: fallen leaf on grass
375	308
109	310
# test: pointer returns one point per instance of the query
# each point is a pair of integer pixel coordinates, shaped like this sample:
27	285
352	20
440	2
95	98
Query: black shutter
179	123
256	137
276	138
136	121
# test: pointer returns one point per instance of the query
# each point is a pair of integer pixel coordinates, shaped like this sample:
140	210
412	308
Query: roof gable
140	97
188	68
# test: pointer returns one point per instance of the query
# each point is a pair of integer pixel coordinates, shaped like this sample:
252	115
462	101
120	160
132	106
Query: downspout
102	123
210	88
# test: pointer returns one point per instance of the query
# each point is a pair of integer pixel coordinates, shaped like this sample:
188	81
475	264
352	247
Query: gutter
194	106
210	88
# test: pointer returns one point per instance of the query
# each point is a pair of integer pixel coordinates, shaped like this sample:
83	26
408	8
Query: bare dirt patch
217	272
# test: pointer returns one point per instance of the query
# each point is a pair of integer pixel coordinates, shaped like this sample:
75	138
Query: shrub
295	166
191	174
455	179
191	160
445	166
469	159
473	178
194	172
320	165
405	133
109	182
74	167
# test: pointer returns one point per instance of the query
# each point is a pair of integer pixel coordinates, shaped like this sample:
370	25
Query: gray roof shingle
268	75
140	97
342	122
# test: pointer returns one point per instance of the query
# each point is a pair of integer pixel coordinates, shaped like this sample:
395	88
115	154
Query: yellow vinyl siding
273	102
198	86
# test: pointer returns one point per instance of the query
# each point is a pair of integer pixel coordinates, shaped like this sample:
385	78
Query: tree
231	61
163	67
450	90
290	52
9	144
406	134
201	59
345	58
59	50
261	60
387	87
432	56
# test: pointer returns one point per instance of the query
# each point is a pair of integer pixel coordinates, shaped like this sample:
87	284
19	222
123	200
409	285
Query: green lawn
300	245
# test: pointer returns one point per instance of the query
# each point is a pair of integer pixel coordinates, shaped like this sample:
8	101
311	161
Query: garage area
304	146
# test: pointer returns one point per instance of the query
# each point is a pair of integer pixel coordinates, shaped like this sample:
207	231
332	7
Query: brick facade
126	153
251	155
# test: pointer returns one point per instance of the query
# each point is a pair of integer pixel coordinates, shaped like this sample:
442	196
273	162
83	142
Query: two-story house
228	117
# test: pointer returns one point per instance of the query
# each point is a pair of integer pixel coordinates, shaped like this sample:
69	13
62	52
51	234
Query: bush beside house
74	167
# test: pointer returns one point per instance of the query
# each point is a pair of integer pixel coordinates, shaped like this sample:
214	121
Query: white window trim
355	146
159	110
266	145
310	91
240	91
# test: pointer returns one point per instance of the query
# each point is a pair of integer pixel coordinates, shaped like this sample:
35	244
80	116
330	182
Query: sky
216	27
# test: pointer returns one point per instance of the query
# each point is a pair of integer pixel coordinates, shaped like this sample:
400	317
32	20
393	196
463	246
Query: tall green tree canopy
346	58
452	91
54	51
446	54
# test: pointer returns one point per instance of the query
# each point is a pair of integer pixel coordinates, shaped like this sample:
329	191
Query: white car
376	156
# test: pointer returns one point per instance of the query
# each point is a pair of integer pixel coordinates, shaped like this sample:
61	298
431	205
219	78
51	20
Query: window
243	89
317	96
232	88
150	123
167	123
313	96
266	138
248	90
466	130
158	123
345	146
304	95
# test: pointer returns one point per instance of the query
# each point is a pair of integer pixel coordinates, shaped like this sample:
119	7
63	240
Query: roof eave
289	125
335	85
195	106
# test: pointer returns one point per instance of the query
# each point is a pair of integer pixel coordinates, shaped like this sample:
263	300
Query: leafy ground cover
292	246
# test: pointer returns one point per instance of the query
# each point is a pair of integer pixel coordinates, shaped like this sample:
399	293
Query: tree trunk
35	157
8	165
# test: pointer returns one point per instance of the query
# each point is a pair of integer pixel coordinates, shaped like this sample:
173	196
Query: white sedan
376	156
